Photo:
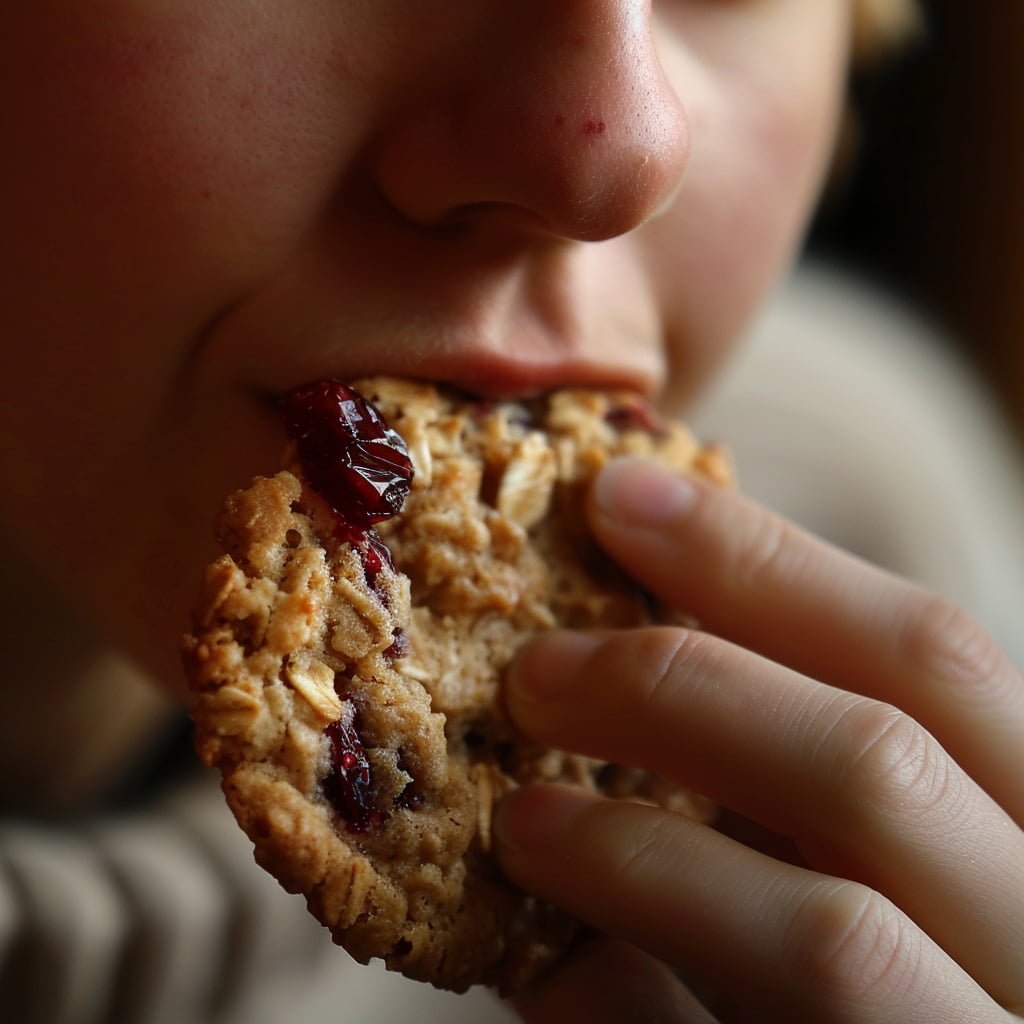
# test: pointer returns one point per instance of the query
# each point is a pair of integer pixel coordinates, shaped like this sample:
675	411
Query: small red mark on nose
594	128
559	120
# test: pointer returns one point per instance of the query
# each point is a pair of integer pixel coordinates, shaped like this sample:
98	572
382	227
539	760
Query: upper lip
499	370
489	374
308	332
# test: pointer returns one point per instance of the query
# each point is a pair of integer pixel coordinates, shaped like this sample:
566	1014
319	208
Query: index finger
751	577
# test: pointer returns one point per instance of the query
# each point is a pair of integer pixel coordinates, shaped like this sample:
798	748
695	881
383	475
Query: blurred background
880	402
932	208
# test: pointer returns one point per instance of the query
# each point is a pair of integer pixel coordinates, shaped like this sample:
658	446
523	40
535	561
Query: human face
206	202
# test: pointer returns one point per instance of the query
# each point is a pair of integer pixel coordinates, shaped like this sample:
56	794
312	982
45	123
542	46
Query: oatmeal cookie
346	676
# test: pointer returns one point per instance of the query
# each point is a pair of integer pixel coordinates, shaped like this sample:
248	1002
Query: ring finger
808	947
863	790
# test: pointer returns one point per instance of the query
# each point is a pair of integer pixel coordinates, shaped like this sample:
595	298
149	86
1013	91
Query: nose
553	113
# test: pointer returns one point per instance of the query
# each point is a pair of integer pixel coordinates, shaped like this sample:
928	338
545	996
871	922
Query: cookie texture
349	693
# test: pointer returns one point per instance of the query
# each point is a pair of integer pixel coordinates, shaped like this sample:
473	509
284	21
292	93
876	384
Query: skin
864	735
207	202
211	201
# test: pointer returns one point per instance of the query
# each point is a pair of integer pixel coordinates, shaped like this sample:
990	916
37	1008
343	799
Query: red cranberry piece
372	551
375	556
349	784
348	452
635	414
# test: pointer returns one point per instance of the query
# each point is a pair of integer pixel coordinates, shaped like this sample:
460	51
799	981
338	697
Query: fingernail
533	817
641	493
548	666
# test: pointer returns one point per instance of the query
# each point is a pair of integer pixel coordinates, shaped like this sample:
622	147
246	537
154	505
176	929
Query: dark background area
933	206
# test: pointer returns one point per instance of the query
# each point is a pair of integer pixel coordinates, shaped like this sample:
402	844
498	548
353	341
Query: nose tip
609	160
568	125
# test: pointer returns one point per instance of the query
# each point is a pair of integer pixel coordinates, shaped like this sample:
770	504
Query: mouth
489	374
473	371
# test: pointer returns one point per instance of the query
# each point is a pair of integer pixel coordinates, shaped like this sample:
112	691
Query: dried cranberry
372	551
635	414
348	452
349	784
375	556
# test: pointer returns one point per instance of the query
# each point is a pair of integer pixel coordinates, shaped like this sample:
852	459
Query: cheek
759	183
159	158
760	150
157	162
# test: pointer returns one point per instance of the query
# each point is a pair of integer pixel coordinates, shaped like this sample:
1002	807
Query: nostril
501	219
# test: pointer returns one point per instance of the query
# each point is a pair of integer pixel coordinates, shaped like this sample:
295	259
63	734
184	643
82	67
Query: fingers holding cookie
808	947
759	581
863	790
832	704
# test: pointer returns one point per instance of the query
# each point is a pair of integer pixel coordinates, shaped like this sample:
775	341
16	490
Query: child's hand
874	727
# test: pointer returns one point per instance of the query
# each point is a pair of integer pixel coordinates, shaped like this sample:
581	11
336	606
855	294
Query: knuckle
941	640
764	551
680	657
886	761
653	843
853	945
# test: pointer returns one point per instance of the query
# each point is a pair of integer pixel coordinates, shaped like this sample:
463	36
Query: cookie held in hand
347	652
